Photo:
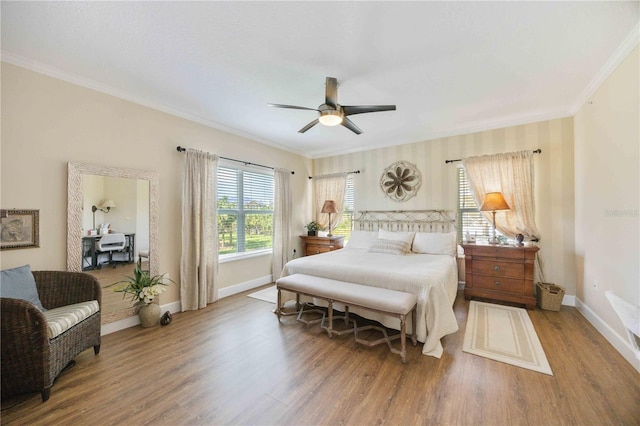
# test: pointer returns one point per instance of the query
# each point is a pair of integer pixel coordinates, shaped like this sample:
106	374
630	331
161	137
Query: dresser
316	245
503	273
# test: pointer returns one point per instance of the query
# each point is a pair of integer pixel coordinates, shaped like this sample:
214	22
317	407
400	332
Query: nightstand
503	273
316	245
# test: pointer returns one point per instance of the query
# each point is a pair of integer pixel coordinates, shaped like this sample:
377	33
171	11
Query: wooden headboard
405	220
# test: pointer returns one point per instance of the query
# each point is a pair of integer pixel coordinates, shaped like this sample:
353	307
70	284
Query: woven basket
549	296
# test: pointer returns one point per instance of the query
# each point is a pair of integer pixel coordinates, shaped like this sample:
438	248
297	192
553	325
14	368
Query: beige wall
47	122
607	158
553	181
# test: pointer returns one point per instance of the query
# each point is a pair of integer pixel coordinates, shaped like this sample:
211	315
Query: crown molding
621	53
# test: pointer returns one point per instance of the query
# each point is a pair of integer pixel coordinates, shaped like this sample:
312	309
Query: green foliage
313	226
141	287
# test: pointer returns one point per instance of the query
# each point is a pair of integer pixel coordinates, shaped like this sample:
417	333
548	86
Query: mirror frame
75	205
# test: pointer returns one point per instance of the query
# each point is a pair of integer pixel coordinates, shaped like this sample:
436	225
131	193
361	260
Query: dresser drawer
498	268
495	251
317	249
506	285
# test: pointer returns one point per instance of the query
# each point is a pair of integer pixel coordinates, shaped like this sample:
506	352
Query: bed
428	270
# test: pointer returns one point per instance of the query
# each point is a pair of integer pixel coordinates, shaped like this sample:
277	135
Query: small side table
317	245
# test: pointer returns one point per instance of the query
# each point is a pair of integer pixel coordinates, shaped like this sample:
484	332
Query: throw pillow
18	283
401	236
396	247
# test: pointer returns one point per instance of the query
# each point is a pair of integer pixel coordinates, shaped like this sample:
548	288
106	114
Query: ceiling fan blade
290	107
308	126
331	92
361	109
351	126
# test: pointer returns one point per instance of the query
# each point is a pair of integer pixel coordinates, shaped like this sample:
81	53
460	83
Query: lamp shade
108	204
329	207
494	201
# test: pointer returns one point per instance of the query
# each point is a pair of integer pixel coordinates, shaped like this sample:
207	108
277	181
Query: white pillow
435	243
396	236
397	247
362	239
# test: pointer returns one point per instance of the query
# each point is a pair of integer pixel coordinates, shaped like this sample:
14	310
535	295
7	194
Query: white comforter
433	278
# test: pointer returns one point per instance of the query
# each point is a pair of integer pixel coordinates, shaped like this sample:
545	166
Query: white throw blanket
432	278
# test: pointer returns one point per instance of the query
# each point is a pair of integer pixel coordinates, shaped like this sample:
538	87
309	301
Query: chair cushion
62	319
18	283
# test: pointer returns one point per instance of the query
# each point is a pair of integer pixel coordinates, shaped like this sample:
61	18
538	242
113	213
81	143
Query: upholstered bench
383	300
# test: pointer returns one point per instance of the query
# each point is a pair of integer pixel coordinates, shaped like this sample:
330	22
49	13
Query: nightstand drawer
498	268
317	249
498	284
495	251
315	245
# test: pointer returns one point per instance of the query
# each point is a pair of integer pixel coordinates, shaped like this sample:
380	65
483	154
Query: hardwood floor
232	363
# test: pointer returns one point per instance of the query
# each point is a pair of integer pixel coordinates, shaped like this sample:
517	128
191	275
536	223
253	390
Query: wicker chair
30	360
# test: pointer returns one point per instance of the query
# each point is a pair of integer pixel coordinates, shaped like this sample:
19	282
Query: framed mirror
136	215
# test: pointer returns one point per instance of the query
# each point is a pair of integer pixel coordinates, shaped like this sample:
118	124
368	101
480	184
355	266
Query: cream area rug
269	294
505	334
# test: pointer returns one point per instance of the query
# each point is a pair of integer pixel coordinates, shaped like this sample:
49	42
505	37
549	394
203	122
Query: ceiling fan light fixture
330	118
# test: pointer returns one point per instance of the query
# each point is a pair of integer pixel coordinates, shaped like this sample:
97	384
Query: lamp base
329	235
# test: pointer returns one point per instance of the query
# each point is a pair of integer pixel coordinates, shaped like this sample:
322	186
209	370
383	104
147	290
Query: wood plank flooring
233	363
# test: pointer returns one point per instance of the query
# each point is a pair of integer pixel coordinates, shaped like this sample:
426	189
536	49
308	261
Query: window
470	219
346	222
245	211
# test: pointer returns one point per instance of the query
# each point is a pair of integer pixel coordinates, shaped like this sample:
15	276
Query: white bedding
433	278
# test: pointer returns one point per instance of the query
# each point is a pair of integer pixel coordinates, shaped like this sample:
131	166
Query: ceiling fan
332	113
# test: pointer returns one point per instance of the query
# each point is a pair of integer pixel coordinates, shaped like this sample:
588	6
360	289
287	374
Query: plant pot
311	233
149	315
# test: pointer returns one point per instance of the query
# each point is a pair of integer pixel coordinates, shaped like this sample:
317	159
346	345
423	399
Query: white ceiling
450	67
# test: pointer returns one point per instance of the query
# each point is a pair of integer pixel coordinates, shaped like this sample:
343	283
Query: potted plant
312	228
143	289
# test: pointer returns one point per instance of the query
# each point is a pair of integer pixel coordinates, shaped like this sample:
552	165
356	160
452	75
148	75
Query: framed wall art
401	181
19	229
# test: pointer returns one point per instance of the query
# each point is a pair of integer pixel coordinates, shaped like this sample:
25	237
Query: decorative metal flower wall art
401	181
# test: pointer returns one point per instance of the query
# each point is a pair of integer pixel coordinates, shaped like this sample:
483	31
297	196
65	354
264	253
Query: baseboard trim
176	306
569	300
618	342
247	285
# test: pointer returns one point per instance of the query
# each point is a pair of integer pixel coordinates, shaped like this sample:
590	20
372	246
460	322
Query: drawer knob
496	268
497	283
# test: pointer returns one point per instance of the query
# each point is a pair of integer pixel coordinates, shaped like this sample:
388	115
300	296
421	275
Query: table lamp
493	201
329	207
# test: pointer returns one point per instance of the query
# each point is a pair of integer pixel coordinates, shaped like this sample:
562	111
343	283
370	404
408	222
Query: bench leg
403	338
279	303
414	326
330	310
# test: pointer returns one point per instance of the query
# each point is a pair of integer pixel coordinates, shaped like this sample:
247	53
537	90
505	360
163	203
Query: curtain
199	260
281	220
329	187
513	175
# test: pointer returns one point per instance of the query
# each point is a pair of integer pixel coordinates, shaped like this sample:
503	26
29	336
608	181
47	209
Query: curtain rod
535	151
336	174
246	163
